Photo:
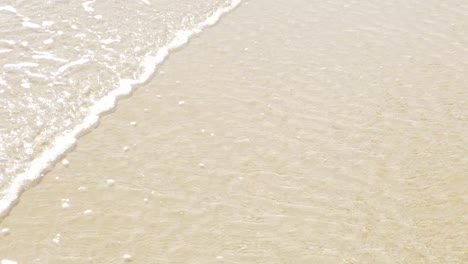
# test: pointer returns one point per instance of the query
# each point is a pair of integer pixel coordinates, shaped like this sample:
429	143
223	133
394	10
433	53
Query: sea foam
68	139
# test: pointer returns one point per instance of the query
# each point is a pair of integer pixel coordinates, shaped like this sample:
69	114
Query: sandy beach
289	132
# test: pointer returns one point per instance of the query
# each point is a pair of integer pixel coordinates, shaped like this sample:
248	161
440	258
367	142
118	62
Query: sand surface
305	132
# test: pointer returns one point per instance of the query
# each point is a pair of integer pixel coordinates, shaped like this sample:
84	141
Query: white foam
110	182
127	257
87	6
109	41
8	41
68	138
63	68
8	261
21	65
3	82
65	203
56	239
25	84
48	41
65	162
47	23
5	50
30	24
88	212
8	8
47	56
5	231
37	75
80	35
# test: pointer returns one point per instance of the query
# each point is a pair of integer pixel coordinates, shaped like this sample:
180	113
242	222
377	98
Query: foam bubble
8	261
65	162
110	182
25	84
80	35
65	203
47	23
5	231
48	41
30	24
88	212
87	6
109	41
127	257
56	239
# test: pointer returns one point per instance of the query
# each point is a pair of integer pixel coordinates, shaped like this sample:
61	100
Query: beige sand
291	132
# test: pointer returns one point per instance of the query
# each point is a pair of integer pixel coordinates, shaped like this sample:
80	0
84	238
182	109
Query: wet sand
305	132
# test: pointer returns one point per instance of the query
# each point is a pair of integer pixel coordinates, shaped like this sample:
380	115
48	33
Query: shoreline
296	133
65	143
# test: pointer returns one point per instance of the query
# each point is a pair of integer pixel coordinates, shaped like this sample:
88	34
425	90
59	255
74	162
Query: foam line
8	8
68	139
70	64
21	65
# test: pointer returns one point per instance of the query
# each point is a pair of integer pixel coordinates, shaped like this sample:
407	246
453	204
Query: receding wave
38	150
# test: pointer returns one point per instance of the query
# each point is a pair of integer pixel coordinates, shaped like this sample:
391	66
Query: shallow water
305	132
65	62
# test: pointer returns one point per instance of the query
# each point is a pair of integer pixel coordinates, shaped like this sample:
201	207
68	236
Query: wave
67	140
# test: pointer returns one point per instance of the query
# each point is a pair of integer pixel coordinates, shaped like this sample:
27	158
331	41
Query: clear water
66	62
